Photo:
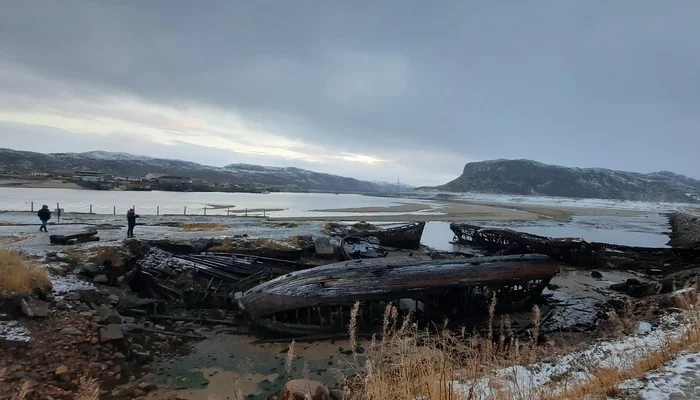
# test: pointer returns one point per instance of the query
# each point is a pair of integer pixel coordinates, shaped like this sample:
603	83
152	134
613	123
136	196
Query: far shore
39	184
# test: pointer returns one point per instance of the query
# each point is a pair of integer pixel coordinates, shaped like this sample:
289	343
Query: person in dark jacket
44	215
131	222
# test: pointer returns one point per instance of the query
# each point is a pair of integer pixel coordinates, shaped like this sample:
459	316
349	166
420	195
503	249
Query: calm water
105	202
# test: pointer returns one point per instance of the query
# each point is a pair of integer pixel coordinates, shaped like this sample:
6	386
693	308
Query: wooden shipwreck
319	300
407	236
576	251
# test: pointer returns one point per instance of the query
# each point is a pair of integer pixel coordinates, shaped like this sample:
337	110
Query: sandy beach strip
403	207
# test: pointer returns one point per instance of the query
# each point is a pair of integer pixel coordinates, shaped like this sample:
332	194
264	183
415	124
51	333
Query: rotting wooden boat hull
323	295
402	237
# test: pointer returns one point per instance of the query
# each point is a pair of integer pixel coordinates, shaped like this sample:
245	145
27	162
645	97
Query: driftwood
193	319
89	236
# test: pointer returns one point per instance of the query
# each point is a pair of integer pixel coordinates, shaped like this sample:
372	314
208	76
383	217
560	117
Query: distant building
88	176
152	176
62	174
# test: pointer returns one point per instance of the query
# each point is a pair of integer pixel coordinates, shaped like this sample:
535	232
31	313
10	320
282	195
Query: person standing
44	215
131	222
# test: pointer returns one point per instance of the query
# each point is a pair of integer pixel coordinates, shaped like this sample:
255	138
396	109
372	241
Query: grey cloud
611	84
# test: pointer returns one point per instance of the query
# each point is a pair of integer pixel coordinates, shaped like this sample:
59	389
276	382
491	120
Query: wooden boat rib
392	279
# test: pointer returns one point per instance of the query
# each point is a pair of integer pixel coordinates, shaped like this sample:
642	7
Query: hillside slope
527	177
123	164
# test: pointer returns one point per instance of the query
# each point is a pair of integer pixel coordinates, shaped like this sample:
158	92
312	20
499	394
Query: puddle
218	365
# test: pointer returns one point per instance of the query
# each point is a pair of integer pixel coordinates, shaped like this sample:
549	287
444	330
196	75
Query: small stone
159	327
337	394
72	296
217	314
119	356
132	379
117	369
100	279
596	275
111	332
61	305
141	356
71	331
323	246
138	393
61	369
107	315
34	308
113	298
300	389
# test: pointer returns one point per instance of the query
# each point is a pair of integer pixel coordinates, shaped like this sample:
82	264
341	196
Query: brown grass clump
229	245
88	389
19	276
410	363
202	227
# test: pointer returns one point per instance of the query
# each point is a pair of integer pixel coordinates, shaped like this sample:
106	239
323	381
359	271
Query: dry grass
408	363
100	255
202	227
19	276
88	389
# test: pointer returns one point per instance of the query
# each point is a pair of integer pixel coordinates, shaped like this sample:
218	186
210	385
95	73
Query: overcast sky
373	90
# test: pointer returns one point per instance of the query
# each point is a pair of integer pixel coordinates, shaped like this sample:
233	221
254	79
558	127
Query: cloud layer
375	91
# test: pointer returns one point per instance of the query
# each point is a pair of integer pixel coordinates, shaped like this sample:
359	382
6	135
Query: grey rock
106	315
91	270
71	330
34	308
141	356
72	296
119	356
100	279
113	298
323	246
111	332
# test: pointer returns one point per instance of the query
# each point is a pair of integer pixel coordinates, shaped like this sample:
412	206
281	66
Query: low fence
192	209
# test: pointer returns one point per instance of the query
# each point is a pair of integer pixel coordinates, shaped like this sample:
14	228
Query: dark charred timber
90	236
319	300
359	247
576	251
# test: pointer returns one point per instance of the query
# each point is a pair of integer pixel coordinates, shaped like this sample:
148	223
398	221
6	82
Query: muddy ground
152	362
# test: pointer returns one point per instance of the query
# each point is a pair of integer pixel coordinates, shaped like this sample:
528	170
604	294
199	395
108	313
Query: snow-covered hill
526	177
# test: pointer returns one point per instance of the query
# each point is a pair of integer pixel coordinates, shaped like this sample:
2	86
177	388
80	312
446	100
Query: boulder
91	270
106	315
302	389
34	308
337	394
111	332
71	330
323	246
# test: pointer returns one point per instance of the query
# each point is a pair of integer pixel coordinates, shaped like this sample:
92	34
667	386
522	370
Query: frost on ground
680	379
562	372
13	332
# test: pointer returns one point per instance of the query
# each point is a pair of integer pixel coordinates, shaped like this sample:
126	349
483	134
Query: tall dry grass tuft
19	276
23	391
88	389
290	358
412	363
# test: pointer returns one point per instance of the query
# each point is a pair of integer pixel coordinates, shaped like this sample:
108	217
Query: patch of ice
13	331
62	285
643	328
680	378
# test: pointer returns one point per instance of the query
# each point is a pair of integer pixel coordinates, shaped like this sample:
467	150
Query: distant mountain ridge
125	164
527	177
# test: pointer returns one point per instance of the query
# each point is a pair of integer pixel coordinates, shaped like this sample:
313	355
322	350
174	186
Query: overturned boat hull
320	299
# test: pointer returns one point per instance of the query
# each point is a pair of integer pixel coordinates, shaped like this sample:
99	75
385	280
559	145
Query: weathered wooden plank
395	278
